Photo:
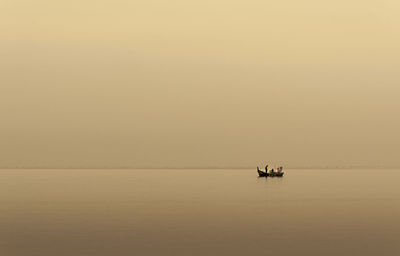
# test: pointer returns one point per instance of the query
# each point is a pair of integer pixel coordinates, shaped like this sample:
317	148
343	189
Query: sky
177	84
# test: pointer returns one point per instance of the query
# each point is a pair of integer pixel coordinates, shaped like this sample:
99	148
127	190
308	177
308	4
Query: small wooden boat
270	174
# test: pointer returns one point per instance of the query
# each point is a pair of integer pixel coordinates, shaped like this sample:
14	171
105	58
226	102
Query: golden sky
236	83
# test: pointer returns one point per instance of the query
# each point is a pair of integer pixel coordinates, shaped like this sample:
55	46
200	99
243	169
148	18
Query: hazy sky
154	83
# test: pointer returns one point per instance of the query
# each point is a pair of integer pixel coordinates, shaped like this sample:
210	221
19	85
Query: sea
57	212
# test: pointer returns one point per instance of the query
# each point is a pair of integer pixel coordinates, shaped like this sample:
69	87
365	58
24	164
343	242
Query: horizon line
194	168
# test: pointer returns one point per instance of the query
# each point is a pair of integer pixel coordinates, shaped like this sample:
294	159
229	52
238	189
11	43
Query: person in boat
272	171
266	168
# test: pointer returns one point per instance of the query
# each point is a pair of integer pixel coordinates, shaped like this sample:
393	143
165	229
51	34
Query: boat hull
262	174
274	174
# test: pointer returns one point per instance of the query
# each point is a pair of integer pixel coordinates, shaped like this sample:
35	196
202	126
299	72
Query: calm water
199	212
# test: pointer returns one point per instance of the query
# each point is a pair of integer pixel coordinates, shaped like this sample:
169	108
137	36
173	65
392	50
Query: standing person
266	168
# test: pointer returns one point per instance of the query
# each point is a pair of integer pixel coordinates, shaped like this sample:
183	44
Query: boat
278	173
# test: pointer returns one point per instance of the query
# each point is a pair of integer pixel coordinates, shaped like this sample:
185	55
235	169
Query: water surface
199	212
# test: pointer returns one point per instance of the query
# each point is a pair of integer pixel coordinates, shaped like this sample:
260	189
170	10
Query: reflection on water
199	212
